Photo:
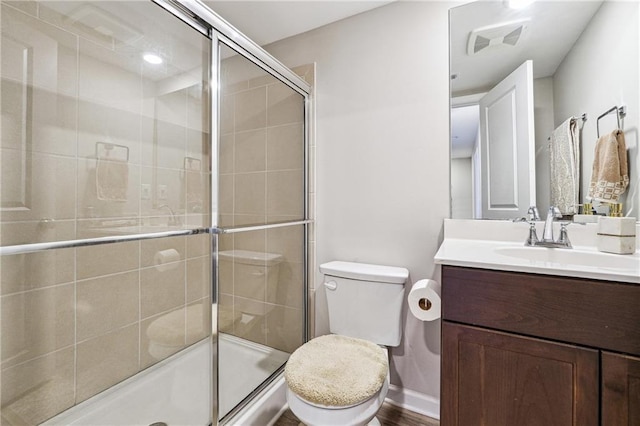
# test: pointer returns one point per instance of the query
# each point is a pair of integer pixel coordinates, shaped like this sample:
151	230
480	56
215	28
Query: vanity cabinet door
500	379
620	390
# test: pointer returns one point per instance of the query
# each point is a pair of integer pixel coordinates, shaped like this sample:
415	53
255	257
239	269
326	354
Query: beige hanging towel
610	176
564	155
112	179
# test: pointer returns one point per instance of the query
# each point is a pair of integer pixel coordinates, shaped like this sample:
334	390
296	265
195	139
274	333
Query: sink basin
575	257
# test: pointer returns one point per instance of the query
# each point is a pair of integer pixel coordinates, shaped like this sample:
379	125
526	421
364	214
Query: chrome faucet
547	235
552	214
173	219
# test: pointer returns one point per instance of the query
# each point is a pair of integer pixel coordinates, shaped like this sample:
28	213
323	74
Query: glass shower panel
261	165
105	134
261	267
261	316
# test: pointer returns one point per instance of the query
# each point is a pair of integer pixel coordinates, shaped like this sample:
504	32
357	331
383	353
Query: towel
112	179
564	155
610	175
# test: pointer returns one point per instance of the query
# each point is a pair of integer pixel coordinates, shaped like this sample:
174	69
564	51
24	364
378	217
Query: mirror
585	57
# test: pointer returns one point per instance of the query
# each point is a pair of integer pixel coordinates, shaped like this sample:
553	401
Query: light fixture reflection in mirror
585	60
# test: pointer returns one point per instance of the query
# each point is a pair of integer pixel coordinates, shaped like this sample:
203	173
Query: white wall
382	155
596	76
461	188
543	113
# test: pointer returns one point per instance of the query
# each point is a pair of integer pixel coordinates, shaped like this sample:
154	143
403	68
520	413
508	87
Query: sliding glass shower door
105	208
262	217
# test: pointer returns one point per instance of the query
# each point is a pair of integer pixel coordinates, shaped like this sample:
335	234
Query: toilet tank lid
365	272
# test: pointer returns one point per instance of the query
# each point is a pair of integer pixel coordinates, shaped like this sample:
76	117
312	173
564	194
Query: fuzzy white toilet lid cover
336	370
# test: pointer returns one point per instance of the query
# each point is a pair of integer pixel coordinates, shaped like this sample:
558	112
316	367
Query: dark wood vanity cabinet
536	350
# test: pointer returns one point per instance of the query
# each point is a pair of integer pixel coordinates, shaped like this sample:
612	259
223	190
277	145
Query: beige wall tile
284	328
288	241
34	391
250	151
161	336
198	320
263	80
106	360
287	288
27	6
198	278
225	276
226	151
250	109
284	106
162	291
285	193
285	147
249	193
227	114
249	219
226	194
36	270
36	322
106	303
252	241
198	245
95	261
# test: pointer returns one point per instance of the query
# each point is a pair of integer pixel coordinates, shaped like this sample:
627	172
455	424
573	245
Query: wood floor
389	415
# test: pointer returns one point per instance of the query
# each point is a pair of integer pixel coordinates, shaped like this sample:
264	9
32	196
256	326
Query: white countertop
497	249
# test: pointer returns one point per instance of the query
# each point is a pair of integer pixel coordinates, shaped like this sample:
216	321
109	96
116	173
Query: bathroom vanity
529	343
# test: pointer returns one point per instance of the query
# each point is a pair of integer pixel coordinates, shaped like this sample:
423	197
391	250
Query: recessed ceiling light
518	4
152	58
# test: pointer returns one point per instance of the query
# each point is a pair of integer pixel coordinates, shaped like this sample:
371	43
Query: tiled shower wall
262	182
76	321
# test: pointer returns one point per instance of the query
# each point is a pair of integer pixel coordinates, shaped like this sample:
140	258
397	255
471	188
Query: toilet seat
356	415
337	380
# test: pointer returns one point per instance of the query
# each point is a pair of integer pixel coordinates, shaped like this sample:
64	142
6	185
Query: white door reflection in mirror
507	146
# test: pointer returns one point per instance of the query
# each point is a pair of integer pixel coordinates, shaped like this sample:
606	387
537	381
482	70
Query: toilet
343	378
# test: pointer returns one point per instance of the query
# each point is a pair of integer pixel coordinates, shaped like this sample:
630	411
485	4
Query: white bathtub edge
266	408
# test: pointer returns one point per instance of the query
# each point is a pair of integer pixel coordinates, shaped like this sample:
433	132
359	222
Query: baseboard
266	408
414	401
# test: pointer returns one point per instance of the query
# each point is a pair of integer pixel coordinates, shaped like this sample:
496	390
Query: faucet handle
533	211
564	236
532	239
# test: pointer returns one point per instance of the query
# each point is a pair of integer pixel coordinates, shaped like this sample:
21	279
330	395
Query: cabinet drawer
588	312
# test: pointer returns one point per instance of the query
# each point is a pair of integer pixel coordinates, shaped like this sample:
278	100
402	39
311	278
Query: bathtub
174	391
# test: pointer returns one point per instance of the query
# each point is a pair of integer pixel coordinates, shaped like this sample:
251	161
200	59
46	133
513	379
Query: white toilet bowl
355	415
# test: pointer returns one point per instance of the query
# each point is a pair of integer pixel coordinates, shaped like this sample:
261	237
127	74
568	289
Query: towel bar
621	112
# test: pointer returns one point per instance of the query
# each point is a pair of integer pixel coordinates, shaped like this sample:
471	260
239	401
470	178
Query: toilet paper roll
424	300
165	260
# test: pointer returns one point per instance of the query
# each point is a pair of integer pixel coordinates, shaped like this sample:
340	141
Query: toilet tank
365	301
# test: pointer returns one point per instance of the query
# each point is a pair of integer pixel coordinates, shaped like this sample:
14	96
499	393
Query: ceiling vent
496	36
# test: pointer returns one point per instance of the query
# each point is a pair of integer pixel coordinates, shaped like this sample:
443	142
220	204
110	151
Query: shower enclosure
154	216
